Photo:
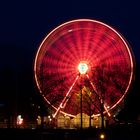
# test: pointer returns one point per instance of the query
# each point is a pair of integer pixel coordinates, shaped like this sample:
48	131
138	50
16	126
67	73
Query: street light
102	136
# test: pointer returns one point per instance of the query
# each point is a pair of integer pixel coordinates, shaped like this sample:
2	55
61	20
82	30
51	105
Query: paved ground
117	133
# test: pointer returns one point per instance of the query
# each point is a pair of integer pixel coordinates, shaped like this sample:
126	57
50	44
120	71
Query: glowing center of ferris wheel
82	67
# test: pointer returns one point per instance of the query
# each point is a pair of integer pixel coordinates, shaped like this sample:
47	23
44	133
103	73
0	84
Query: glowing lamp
19	120
102	136
82	67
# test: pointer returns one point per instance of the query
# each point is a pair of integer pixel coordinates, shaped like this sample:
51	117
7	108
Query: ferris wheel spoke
99	98
66	98
94	88
93	102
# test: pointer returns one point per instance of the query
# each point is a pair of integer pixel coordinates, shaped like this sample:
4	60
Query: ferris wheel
84	57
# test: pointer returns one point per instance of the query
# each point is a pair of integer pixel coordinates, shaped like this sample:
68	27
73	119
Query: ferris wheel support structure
86	52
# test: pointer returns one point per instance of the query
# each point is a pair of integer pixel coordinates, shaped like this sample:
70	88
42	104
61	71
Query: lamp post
82	67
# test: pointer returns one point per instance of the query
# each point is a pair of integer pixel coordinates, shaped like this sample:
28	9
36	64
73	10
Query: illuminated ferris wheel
84	57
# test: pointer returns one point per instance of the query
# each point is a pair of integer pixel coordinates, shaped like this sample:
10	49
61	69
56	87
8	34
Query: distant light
19	120
102	136
82	67
108	107
38	120
96	126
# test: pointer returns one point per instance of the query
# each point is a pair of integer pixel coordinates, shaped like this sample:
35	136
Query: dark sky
24	24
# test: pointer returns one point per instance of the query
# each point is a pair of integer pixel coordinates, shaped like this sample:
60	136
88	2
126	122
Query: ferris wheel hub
82	67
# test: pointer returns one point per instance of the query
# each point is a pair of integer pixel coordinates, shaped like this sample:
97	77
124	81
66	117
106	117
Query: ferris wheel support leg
108	113
104	106
66	98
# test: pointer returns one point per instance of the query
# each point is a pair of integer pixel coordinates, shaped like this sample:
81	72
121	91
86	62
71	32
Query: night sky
24	24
